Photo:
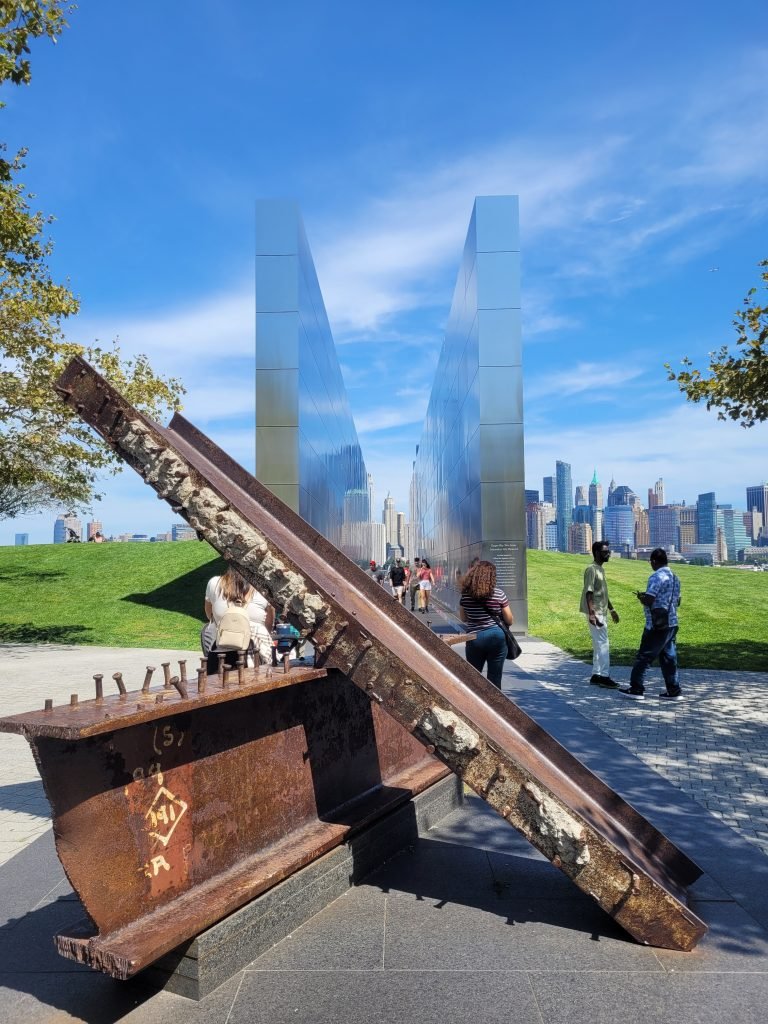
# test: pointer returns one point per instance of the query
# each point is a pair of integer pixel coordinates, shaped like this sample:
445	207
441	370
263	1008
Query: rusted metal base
169	816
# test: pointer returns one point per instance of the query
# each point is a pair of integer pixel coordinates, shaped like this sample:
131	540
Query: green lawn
723	617
115	595
151	595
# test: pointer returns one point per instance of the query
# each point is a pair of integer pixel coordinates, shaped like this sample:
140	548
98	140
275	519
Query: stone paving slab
713	745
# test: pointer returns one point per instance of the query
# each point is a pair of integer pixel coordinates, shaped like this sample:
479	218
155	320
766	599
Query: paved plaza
472	922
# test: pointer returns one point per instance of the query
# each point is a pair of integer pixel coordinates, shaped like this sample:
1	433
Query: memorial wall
307	450
468	489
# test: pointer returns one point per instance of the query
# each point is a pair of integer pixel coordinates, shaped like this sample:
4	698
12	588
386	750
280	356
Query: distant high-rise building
536	526
389	518
93	528
67	527
378	543
550	490
22	539
611	489
731	522
653	499
686	531
664	526
757	498
581	495
619	527
180	531
531	497
564	503
596	494
642	527
371	506
551	539
753	524
658	490
622	495
580	538
706	518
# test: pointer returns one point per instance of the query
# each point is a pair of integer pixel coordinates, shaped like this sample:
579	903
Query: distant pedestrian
397	580
413	583
661	600
596	605
481	606
426	582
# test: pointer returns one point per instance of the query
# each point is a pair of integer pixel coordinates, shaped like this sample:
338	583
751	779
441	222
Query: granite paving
471	922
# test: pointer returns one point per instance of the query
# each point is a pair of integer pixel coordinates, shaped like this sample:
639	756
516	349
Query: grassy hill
115	595
151	595
723	616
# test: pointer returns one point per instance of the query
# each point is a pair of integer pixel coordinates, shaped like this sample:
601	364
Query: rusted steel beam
169	812
609	850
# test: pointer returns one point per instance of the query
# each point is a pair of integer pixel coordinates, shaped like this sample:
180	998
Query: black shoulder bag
514	650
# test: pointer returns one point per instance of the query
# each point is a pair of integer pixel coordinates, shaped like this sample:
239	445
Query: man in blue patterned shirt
661	601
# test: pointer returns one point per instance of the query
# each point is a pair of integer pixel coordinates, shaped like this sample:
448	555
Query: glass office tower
564	503
307	451
468	490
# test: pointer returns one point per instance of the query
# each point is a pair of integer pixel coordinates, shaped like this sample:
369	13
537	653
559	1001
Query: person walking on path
481	606
413	582
397	580
661	601
426	582
596	605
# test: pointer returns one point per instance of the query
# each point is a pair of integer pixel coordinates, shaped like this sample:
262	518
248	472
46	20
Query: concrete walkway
473	922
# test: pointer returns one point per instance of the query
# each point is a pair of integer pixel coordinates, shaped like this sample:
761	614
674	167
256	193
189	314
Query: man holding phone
596	605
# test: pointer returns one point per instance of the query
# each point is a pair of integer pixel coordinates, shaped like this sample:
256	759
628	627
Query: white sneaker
626	692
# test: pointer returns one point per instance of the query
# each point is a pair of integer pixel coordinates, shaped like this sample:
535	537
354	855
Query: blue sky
636	138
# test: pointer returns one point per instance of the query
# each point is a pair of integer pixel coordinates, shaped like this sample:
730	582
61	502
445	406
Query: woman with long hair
233	589
426	582
482	604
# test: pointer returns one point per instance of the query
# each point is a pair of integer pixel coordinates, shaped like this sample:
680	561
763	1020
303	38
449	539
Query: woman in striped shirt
481	600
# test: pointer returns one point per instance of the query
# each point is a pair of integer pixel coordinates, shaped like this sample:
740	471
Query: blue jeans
489	645
656	643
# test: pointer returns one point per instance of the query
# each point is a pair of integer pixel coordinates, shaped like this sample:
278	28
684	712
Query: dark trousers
656	643
489	645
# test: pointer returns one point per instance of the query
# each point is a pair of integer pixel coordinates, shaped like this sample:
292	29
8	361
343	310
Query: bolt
240	669
505	810
221	658
366	645
118	677
99	686
179	684
183	671
159	699
48	704
167	673
204	663
147	678
201	680
73	698
430	748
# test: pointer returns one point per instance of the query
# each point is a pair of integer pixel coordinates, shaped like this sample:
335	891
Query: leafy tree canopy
47	454
737	385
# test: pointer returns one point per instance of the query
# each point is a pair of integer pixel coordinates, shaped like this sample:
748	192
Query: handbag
514	650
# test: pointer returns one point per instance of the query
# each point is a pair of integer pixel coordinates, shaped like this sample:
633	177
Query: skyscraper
757	497
65	528
550	490
619	527
564	503
596	493
706	518
389	518
581	495
658	490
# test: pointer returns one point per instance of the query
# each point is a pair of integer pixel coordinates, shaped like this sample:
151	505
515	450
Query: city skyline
642	210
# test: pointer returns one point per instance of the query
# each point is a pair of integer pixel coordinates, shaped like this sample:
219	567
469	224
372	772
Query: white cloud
584	377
